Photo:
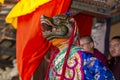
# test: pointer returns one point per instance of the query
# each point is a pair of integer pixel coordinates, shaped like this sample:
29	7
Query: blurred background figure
87	44
115	56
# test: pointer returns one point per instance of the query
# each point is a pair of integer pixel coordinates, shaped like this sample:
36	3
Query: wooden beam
74	11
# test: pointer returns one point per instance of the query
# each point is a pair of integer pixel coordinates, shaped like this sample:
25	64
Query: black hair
116	37
89	38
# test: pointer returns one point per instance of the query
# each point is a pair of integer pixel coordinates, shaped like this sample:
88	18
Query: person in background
87	44
115	56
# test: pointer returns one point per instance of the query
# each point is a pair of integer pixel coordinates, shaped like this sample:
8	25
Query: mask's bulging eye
54	29
50	28
56	21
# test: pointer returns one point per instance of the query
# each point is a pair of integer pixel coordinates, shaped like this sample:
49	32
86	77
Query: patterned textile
100	56
95	69
74	65
80	66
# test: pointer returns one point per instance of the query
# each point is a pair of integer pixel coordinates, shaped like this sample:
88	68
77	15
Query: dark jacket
115	67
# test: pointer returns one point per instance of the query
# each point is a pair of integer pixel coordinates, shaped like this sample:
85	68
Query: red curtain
31	46
84	23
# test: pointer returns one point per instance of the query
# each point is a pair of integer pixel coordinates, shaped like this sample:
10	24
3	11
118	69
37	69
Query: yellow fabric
23	7
2	1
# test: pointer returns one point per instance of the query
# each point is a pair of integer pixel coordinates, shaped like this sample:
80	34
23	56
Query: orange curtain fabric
84	23
30	45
